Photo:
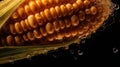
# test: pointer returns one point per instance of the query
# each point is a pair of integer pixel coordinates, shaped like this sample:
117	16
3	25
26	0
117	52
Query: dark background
103	47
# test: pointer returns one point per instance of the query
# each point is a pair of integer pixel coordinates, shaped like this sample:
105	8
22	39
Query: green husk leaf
7	7
13	53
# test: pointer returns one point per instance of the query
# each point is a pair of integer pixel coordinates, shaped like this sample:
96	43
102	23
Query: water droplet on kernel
11	61
28	56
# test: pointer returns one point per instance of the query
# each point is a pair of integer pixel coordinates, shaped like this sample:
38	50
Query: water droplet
80	52
28	56
72	52
75	58
83	41
117	7
103	27
115	50
11	61
54	56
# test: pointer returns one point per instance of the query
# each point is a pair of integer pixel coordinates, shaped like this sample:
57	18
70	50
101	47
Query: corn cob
43	22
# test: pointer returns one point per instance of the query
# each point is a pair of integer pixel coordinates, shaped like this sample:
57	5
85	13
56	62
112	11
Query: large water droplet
80	52
115	50
117	7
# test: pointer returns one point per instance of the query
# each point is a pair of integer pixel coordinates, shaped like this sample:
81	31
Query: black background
102	47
